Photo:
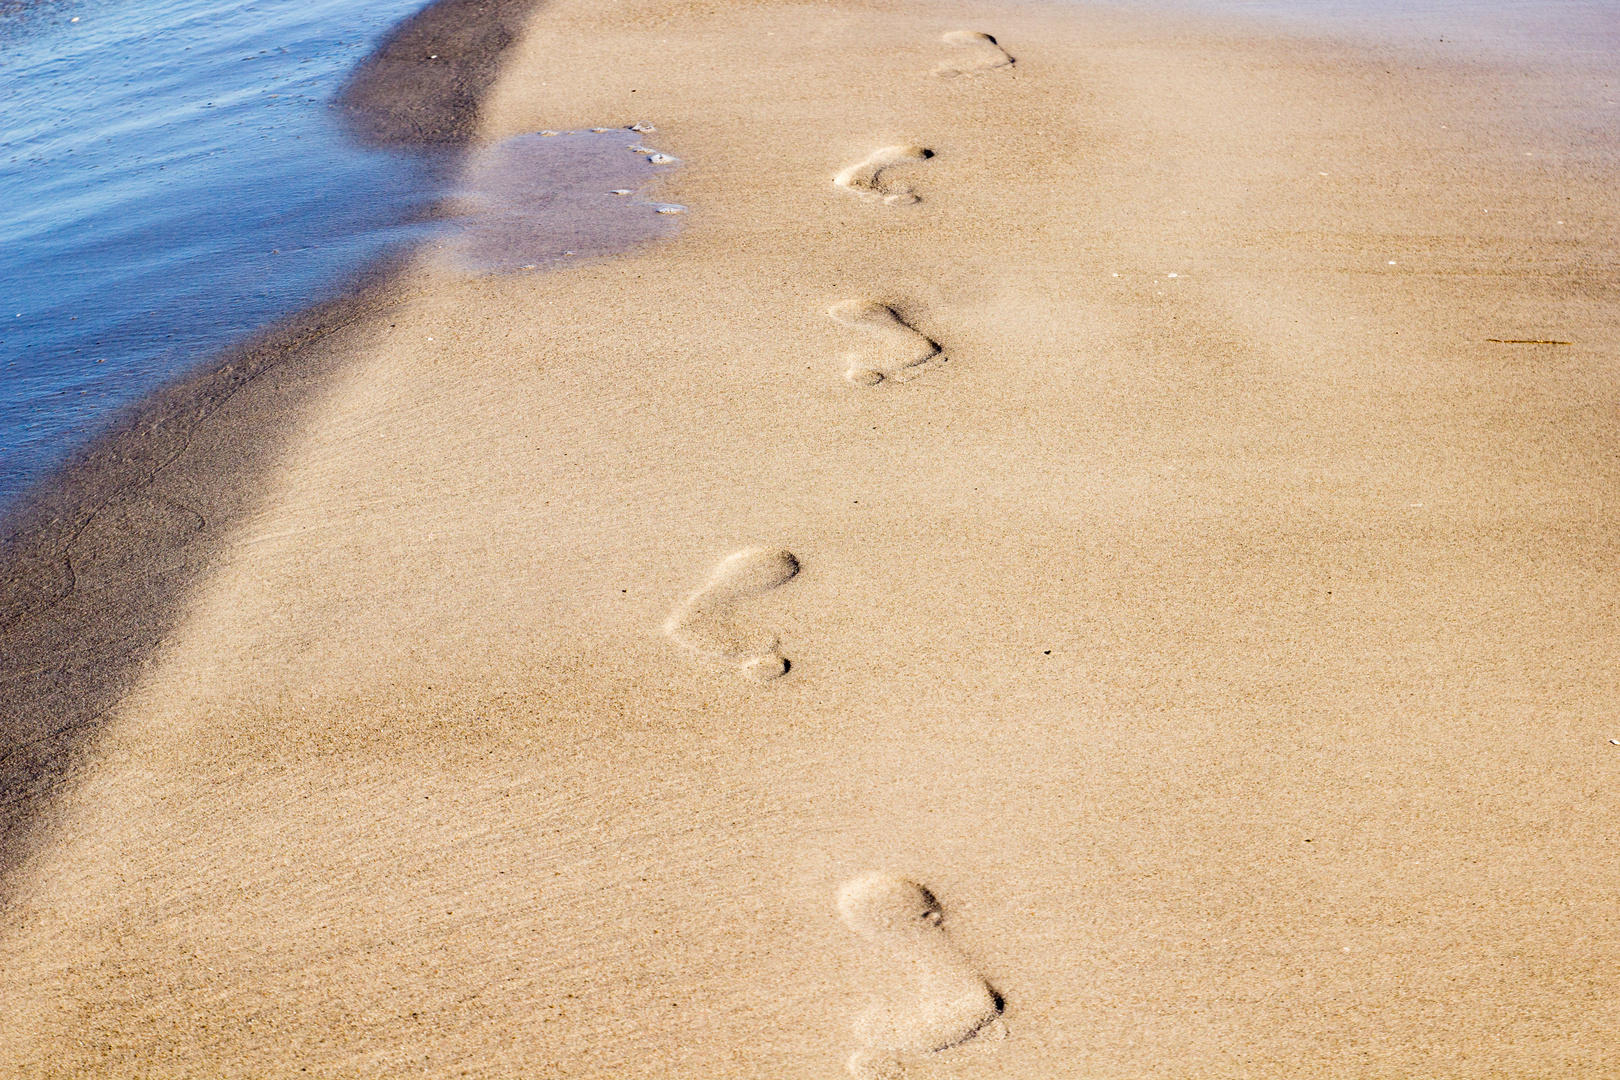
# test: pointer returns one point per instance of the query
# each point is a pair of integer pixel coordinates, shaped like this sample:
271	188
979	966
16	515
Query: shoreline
107	518
53	696
1098	588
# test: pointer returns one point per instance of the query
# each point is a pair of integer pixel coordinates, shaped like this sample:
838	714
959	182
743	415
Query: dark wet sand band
424	83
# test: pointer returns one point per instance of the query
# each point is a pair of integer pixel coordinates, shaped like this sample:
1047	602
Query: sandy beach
1079	560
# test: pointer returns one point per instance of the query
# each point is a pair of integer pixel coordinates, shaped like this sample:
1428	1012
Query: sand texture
1046	575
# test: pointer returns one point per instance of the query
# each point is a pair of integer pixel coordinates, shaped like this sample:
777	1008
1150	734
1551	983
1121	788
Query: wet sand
99	559
1083	595
423	85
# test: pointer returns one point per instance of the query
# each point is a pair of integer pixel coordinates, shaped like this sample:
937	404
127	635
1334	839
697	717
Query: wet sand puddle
539	200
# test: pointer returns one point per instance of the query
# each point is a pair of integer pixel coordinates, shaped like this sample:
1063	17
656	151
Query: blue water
174	177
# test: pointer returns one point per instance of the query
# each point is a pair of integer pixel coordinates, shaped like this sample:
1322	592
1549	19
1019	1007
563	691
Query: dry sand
1217	626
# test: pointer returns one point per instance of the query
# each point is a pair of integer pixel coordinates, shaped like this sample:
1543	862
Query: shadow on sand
98	560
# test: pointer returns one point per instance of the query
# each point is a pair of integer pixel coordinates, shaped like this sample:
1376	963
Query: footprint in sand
980	53
706	622
866	177
936	1000
896	351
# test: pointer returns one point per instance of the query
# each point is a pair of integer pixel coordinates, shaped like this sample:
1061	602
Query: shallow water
175	178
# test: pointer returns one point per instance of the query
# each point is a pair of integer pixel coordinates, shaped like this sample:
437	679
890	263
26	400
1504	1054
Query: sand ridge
900	350
871	176
982	54
705	622
1225	641
940	1002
